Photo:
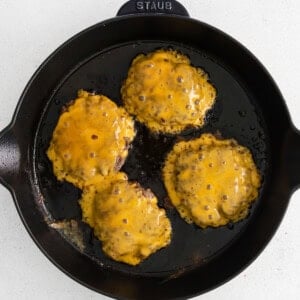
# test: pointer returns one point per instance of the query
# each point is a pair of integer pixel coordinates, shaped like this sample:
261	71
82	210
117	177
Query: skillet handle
9	157
293	158
171	7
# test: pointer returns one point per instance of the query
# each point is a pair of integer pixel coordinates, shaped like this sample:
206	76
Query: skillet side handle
171	7
9	157
293	158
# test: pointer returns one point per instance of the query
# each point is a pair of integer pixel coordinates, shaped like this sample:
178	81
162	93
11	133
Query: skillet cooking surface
235	115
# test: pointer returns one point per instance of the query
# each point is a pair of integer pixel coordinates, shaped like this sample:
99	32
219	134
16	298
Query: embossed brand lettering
168	5
160	5
139	5
153	5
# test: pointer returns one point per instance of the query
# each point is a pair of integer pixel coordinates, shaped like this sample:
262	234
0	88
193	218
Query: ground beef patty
91	138
211	181
166	93
126	218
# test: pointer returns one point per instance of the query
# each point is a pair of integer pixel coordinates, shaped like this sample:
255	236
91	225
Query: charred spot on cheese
211	181
90	138
166	93
126	218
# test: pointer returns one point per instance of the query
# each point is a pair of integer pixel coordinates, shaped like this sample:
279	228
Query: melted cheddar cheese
126	218
166	93
91	138
210	181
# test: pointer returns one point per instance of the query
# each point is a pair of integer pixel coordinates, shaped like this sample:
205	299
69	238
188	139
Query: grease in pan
211	182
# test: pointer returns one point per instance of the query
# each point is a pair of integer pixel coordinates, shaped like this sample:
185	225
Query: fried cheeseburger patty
126	218
91	138
211	182
166	93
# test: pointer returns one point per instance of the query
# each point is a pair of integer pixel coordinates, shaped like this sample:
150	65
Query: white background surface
31	29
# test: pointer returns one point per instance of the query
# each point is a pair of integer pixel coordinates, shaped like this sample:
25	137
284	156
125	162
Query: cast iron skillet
249	108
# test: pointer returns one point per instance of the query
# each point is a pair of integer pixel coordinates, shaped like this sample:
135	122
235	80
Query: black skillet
249	108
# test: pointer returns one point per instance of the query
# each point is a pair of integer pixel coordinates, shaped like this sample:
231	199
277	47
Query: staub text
153	5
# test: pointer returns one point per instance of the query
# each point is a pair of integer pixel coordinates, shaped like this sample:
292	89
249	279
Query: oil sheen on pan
234	114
